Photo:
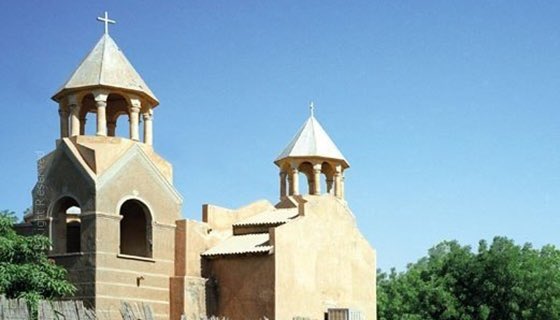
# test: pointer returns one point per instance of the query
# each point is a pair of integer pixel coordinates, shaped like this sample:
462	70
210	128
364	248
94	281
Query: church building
115	222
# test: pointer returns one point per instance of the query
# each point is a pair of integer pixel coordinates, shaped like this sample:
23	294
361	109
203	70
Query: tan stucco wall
320	259
241	287
187	287
117	276
58	171
103	276
323	261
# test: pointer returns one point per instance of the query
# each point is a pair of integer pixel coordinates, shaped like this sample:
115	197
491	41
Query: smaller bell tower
313	153
109	200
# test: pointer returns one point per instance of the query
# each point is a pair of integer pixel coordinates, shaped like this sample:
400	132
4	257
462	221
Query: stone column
289	181
148	127
83	125
294	181
111	128
100	97
330	183
135	106
338	181
283	175
74	107
63	113
343	182
316	179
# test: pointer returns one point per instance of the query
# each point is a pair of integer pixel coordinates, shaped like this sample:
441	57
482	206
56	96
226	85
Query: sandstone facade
114	217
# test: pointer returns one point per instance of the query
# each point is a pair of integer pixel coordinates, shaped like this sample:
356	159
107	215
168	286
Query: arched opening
88	124
135	229
117	116
306	174
66	226
73	229
328	171
122	125
88	116
284	180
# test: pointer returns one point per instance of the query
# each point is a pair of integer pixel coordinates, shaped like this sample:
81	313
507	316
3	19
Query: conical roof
312	141
107	66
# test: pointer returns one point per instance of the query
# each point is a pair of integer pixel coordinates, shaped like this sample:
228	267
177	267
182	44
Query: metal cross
106	20
312	108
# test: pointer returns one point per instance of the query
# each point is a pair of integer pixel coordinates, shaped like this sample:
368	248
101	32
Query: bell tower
106	84
313	153
108	203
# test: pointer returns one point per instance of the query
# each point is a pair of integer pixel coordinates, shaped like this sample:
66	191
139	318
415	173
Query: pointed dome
107	66
312	141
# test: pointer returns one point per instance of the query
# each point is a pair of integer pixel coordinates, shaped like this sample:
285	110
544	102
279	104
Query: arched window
306	172
135	229
73	229
66	226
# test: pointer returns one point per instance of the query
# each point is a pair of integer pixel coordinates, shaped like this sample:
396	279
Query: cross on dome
105	19
312	108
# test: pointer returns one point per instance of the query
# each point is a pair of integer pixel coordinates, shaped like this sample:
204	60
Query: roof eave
153	101
343	161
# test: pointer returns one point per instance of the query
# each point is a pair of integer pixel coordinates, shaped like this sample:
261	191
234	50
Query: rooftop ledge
66	255
138	258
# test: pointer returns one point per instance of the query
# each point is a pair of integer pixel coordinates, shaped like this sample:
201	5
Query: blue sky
448	111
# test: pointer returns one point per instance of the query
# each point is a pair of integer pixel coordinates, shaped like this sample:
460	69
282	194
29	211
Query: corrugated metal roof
250	243
278	216
106	65
312	141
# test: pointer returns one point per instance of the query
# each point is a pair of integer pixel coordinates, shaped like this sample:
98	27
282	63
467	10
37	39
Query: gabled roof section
106	65
312	141
245	244
271	217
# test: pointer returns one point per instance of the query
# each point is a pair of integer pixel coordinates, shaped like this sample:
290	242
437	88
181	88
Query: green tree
25	270
501	281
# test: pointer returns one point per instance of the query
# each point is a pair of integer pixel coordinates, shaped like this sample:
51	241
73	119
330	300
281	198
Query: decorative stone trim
139	258
66	255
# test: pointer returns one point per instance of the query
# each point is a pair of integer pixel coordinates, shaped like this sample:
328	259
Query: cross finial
106	20
312	108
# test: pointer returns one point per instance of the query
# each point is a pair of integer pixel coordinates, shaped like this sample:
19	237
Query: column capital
100	95
62	112
135	108
317	167
338	169
135	103
294	164
148	115
72	100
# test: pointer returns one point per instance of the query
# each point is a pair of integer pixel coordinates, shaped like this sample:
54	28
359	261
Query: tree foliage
502	281
25	270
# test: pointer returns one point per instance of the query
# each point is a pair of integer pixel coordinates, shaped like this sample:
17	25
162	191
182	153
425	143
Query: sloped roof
249	243
106	65
277	216
312	141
